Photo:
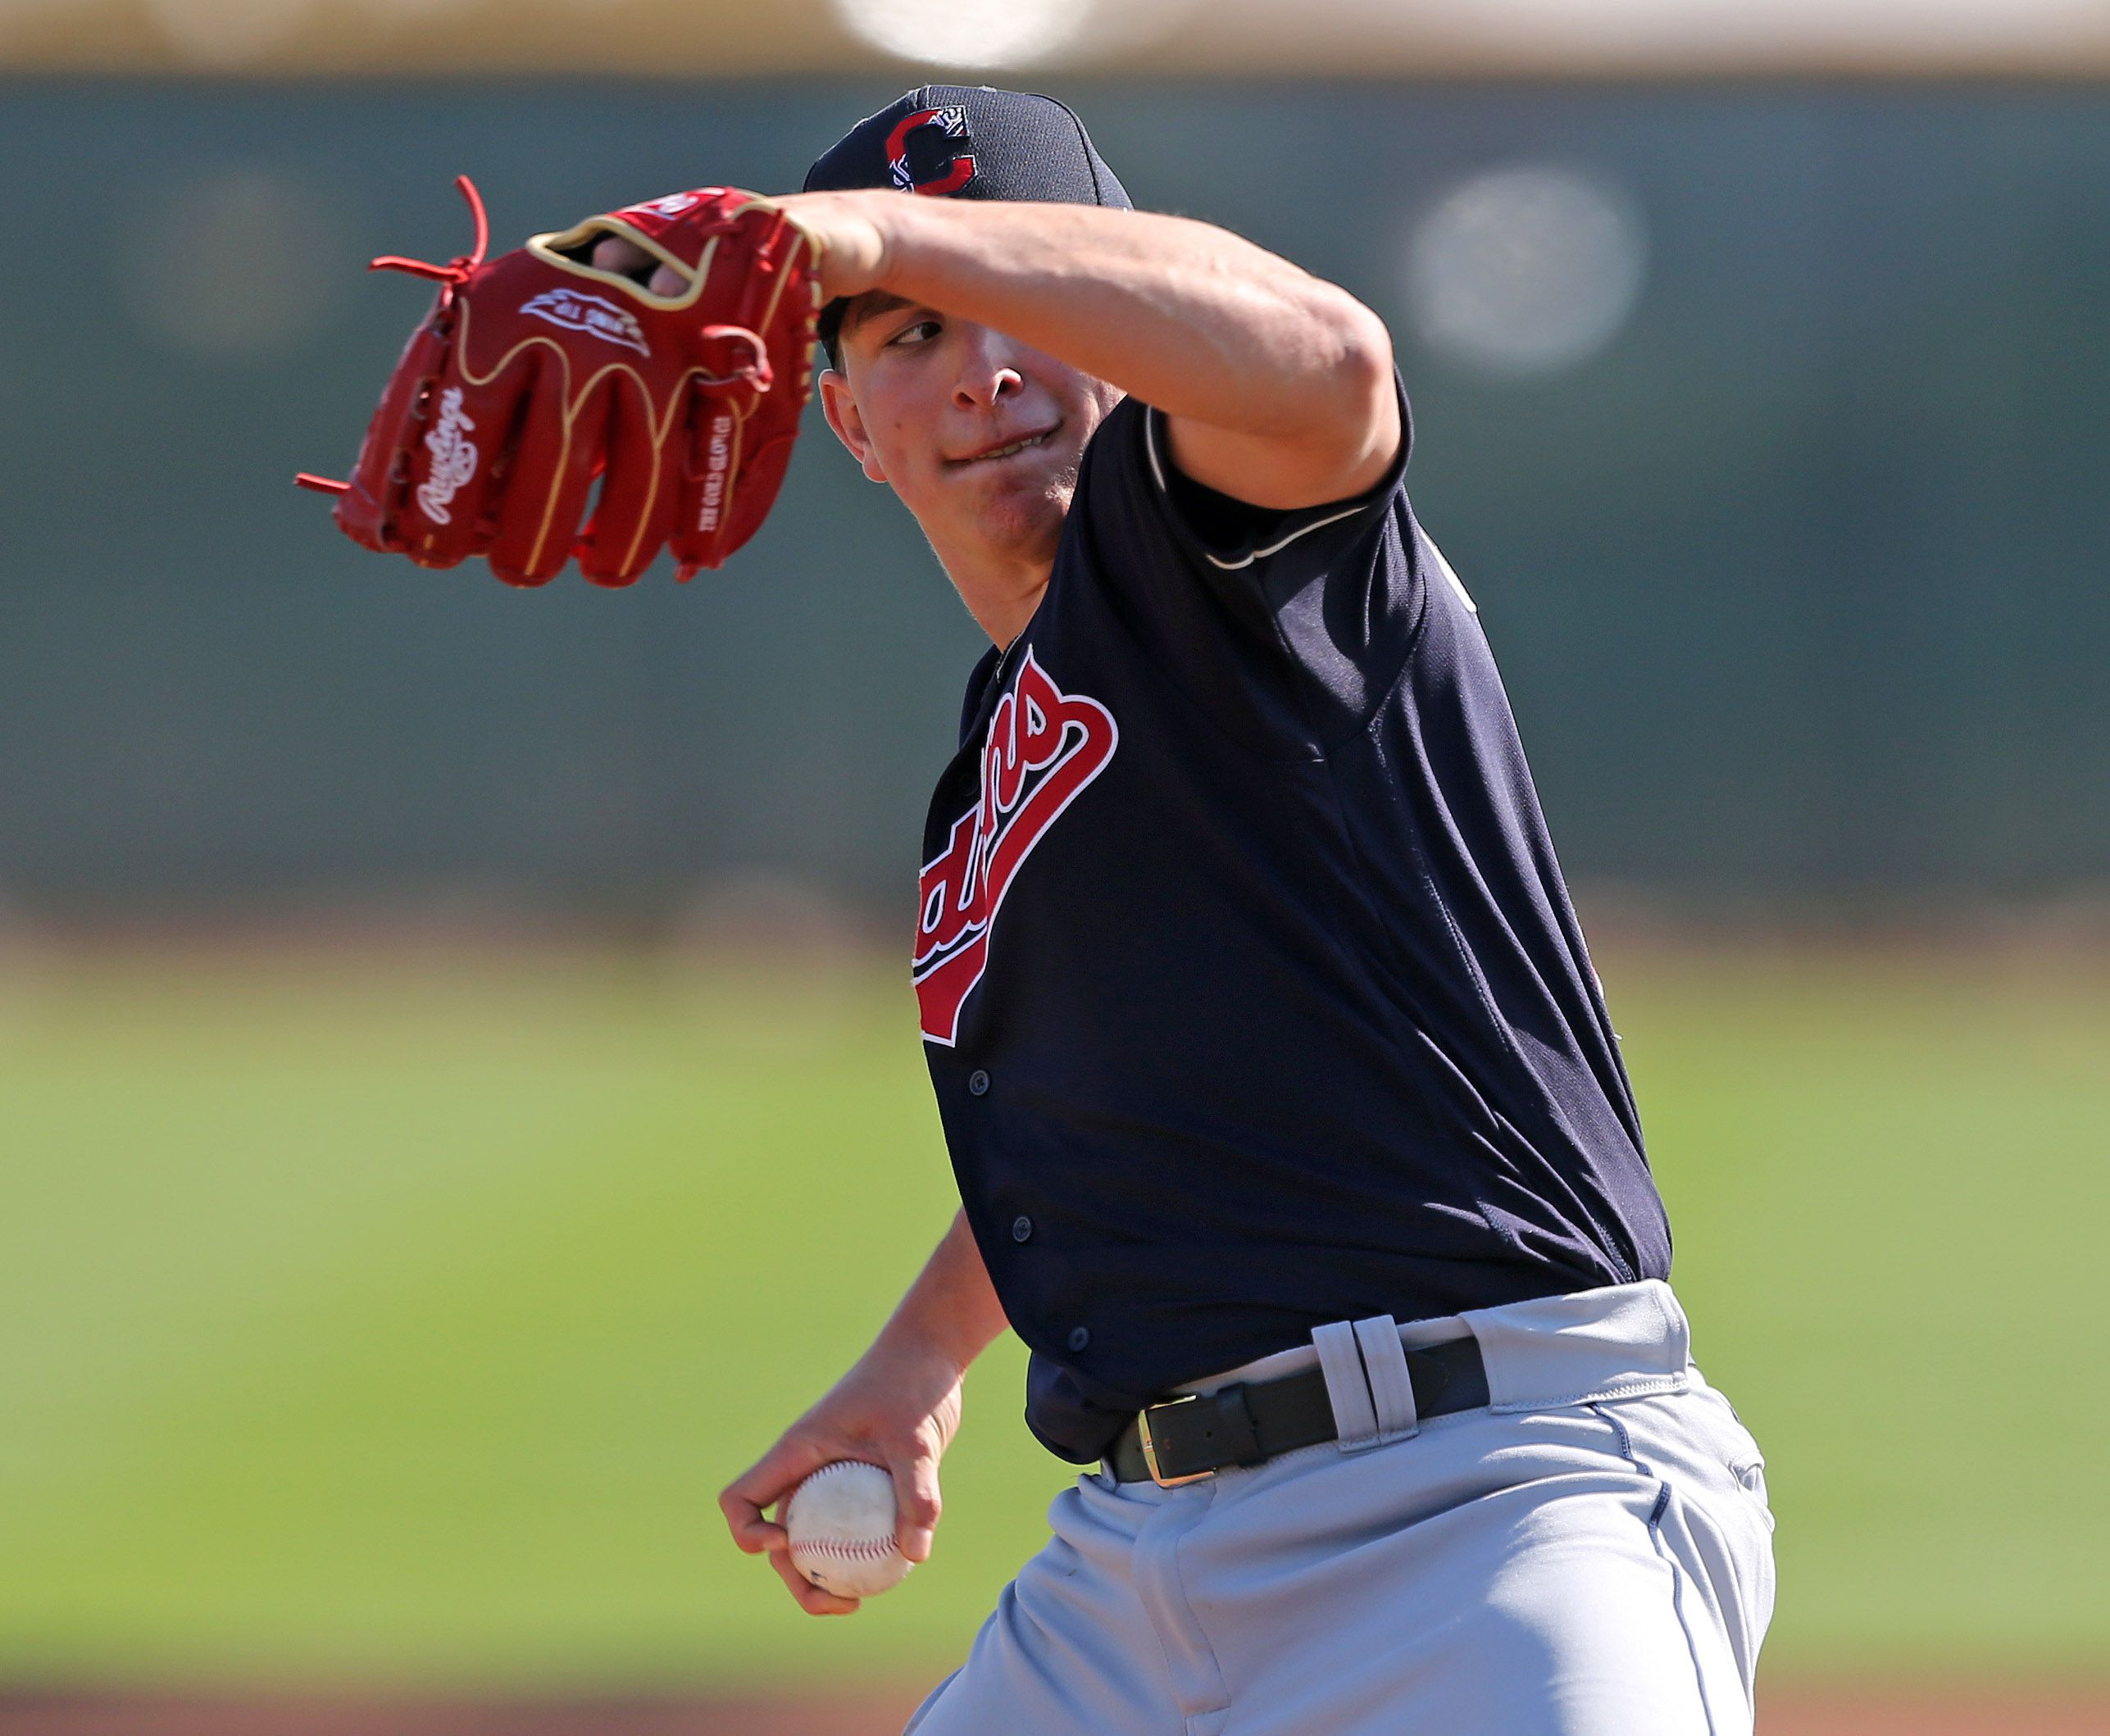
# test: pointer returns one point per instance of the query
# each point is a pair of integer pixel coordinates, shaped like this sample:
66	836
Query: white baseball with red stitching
841	1519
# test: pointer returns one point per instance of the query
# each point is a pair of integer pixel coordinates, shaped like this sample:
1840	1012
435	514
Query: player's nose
989	370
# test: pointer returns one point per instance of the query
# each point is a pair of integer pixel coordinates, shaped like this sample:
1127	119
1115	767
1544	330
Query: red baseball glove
536	374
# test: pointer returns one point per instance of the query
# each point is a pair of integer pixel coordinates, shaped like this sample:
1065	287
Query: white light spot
244	263
967	33
1526	269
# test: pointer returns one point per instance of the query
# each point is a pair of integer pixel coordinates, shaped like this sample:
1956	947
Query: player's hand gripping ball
841	1520
537	374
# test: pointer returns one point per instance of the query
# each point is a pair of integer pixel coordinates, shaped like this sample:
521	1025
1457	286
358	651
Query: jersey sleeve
1232	535
1284	623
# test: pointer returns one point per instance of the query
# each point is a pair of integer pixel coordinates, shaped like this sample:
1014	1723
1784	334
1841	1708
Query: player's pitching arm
1277	386
898	1407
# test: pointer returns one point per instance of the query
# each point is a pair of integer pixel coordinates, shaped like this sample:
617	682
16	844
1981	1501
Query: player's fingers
812	1599
627	259
916	1504
621	255
751	1531
766	1481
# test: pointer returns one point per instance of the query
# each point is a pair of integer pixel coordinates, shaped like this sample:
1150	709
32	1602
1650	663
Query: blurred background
459	1087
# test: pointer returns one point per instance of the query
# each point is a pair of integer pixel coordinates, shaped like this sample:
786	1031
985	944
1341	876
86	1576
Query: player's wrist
853	233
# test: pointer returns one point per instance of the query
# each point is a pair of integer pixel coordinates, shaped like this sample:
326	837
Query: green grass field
369	1321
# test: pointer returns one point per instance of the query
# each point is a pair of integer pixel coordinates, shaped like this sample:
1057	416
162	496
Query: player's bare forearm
952	1308
1279	384
898	1407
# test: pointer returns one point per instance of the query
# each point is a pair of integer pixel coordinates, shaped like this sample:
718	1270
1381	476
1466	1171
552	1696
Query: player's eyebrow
871	305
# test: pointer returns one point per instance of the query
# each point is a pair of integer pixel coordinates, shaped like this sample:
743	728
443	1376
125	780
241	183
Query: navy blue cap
967	142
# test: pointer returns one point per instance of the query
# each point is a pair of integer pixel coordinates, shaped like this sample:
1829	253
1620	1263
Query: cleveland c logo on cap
948	167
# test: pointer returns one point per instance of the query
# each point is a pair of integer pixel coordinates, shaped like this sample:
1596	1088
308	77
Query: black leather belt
1184	1440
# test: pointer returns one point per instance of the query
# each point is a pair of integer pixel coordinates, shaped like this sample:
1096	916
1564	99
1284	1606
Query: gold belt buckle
1150	1446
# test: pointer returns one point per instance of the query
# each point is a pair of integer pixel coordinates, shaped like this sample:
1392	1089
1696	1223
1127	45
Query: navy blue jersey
1250	989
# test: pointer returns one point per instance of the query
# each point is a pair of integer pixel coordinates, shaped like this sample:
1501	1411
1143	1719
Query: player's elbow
1362	370
1357	425
1361	339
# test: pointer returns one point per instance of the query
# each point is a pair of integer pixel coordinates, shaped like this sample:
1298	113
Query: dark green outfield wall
1802	585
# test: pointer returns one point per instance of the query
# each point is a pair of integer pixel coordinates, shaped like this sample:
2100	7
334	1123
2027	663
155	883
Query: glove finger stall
369	509
639	486
551	473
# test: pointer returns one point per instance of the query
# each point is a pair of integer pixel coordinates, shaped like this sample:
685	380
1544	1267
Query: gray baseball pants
1589	1556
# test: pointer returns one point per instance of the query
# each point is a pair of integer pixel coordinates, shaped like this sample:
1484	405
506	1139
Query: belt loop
1347	1391
1391	1387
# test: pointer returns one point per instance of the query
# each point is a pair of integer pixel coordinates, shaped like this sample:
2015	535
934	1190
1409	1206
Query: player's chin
1022	518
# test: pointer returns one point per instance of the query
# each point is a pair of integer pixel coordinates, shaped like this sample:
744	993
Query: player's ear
839	405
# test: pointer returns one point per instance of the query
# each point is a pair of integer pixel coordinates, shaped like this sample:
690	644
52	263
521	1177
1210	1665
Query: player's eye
920	332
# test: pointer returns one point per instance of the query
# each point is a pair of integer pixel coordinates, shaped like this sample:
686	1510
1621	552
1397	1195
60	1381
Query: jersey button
1079	1337
1022	1228
978	1083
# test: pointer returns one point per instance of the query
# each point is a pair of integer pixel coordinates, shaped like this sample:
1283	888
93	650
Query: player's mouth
1011	448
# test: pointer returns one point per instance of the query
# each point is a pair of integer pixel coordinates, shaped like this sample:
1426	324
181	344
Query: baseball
841	1519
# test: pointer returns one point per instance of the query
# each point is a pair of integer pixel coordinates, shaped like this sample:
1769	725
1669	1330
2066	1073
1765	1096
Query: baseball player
1289	1126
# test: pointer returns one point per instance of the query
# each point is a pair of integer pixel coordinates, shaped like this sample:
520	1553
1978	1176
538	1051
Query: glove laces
450	277
456	271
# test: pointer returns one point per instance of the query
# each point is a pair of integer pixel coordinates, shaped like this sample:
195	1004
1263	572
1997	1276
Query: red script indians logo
1042	747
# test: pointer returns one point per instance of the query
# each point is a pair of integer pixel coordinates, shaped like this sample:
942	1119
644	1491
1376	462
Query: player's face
979	434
